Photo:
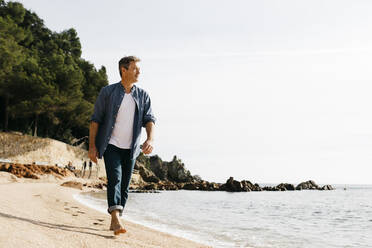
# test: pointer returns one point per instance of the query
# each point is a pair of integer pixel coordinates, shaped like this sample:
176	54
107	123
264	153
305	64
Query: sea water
307	218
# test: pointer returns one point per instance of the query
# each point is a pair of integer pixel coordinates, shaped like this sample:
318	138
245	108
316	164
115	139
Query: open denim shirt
106	109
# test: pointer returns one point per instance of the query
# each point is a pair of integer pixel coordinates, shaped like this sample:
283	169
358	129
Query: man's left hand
147	147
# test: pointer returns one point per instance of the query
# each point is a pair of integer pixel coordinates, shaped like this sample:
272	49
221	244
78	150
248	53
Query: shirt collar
131	90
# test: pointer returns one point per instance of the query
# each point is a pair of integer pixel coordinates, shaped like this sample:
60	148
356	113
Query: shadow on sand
59	226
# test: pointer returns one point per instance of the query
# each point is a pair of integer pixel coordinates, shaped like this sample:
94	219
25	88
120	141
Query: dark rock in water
307	185
190	186
269	188
327	187
223	187
233	185
73	184
247	185
285	187
257	187
214	186
161	175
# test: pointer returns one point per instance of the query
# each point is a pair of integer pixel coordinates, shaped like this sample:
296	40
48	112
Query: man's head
128	68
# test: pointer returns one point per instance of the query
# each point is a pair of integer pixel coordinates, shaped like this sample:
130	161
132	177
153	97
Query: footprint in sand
75	215
81	212
96	223
75	207
67	208
101	220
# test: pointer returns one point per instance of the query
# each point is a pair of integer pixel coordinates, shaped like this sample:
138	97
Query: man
120	112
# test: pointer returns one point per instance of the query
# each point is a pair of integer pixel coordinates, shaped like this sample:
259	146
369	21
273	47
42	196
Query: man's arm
148	145
93	154
97	117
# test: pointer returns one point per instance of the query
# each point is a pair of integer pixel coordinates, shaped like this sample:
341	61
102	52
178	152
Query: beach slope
39	214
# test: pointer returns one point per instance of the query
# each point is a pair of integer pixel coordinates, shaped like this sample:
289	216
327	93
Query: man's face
132	73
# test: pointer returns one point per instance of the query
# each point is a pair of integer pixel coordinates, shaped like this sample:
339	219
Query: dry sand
36	213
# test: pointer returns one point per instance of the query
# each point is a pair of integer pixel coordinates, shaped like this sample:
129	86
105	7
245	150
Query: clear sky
268	91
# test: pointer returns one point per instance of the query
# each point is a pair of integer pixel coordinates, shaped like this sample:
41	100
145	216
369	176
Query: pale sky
266	91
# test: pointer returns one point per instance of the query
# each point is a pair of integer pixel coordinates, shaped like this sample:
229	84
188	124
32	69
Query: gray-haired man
120	112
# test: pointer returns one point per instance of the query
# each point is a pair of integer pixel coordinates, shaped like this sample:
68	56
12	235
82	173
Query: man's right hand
93	154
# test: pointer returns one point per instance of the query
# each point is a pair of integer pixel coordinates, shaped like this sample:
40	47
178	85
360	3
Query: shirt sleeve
99	108
148	115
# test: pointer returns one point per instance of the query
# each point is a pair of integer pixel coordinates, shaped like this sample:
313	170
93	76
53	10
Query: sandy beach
40	213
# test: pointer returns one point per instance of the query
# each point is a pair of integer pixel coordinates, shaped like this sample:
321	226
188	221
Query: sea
307	218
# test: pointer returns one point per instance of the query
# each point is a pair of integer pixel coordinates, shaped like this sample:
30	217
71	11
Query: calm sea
338	218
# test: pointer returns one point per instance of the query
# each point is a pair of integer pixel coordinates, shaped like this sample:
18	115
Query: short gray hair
125	61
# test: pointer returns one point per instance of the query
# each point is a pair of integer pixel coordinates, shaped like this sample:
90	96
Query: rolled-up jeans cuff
116	207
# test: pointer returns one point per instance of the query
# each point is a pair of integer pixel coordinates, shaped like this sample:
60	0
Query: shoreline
92	202
35	213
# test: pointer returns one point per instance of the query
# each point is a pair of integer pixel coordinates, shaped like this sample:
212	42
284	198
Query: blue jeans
119	168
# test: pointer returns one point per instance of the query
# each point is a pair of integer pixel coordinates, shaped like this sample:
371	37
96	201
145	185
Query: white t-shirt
123	128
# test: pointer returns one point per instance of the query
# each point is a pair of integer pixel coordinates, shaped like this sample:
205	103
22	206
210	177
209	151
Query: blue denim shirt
106	109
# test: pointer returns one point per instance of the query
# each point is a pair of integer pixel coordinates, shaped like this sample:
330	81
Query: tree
43	79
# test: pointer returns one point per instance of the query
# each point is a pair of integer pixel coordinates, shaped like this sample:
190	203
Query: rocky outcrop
159	169
153	169
232	185
151	174
285	187
177	172
34	171
146	174
307	185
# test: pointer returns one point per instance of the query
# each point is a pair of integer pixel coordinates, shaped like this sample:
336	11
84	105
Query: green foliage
44	82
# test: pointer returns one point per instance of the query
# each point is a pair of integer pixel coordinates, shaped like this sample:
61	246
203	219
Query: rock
20	170
150	186
269	188
233	185
96	185
73	184
156	165
307	185
147	175
190	186
285	186
33	170
197	178
168	186
136	180
327	187
257	187
177	172
214	186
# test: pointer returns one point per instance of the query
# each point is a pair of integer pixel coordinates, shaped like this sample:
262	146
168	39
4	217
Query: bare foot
117	227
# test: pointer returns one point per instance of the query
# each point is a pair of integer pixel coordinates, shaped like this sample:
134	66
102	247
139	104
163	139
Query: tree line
46	88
